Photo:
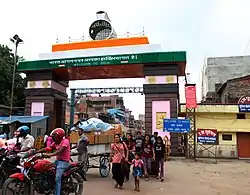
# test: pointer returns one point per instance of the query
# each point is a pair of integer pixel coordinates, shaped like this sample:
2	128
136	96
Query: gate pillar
161	91
46	96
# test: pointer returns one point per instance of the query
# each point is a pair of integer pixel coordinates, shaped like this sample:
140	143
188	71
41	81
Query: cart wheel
86	168
104	168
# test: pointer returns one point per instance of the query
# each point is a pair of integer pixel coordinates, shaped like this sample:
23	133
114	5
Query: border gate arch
131	57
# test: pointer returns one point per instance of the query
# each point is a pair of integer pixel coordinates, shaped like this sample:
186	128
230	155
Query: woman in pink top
118	157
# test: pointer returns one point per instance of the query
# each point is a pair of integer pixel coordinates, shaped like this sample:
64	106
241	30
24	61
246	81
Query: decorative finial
69	39
83	37
143	31
57	40
127	34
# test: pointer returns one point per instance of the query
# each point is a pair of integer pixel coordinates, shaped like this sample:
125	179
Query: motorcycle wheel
79	180
18	187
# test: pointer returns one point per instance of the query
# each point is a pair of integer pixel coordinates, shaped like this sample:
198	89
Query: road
182	177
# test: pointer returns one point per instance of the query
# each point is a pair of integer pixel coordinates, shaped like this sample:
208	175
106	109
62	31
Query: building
230	91
218	70
233	89
233	130
94	104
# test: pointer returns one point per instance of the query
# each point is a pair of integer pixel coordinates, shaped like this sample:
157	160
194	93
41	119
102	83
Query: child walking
137	170
159	157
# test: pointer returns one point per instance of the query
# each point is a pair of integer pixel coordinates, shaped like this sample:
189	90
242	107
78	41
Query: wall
39	128
236	89
37	109
225	149
160	106
223	122
213	108
220	69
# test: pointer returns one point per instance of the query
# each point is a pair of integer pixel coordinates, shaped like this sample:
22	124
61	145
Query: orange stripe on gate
100	43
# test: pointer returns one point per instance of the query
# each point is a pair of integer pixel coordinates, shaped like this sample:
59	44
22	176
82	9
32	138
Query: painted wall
37	109
160	106
46	84
223	122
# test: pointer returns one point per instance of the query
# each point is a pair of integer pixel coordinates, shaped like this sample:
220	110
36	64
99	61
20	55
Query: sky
201	28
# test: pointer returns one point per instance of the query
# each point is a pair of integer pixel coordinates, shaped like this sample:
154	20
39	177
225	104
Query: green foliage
6	72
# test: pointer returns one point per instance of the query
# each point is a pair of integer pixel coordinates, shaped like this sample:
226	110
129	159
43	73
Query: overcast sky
202	28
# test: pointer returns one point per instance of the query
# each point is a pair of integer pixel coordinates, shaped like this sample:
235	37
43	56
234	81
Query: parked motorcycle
39	176
9	161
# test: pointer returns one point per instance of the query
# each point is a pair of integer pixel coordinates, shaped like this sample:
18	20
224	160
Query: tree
6	73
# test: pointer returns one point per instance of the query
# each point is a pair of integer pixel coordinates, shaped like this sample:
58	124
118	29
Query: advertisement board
207	136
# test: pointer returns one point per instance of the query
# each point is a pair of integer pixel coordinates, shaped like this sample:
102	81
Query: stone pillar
161	85
46	95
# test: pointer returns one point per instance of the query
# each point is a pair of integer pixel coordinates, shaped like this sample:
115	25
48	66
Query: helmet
57	134
23	131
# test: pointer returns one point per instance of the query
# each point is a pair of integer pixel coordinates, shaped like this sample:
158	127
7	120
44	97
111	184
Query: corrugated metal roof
21	119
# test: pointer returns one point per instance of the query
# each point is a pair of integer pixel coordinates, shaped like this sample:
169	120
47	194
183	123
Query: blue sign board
176	125
244	107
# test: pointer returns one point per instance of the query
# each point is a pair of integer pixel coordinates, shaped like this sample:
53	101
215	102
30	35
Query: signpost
176	125
207	136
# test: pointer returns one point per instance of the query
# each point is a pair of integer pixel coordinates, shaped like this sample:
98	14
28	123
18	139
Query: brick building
230	91
95	104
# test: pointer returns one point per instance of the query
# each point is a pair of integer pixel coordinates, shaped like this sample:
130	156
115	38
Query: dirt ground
183	177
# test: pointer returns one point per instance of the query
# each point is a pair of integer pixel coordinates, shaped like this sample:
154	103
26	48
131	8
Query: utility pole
15	40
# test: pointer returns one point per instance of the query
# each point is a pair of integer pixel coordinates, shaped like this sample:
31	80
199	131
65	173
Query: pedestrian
119	159
138	142
160	157
147	155
82	148
154	137
131	149
168	147
137	170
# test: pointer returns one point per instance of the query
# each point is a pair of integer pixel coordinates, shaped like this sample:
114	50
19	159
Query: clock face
100	30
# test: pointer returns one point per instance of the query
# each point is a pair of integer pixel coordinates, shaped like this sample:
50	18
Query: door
243	141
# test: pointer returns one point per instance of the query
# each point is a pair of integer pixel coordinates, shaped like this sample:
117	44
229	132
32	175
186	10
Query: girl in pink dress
137	170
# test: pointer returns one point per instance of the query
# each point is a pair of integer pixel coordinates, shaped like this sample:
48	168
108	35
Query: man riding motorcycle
62	153
27	140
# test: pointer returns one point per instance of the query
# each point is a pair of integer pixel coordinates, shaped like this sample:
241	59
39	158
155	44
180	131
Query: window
241	116
227	137
39	131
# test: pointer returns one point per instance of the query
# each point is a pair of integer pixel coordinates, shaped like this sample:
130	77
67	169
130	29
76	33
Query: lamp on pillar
15	40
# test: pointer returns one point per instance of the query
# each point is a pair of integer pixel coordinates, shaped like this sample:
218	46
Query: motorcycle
9	161
38	175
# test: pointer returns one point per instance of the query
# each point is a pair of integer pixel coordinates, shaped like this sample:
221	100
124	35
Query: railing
87	38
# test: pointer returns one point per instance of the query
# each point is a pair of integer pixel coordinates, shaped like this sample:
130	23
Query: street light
16	40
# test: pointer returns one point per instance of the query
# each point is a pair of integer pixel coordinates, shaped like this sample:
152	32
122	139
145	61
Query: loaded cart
98	157
98	148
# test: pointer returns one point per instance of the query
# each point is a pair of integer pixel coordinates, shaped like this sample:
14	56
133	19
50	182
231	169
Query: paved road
182	177
224	178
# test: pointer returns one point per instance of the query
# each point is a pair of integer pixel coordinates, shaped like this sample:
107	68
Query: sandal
162	179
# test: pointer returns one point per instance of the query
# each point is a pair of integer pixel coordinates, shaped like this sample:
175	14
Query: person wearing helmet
61	145
27	140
